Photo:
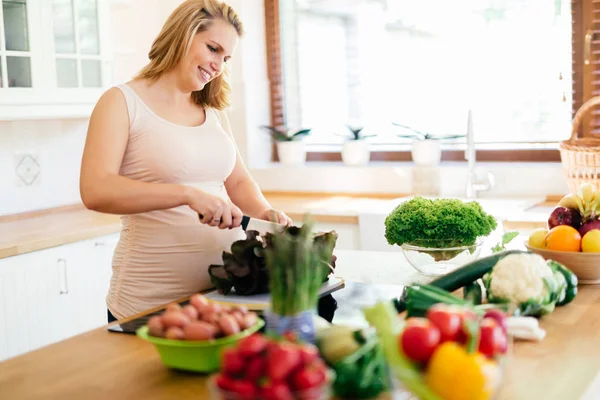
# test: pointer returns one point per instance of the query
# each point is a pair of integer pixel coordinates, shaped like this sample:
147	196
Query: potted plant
290	146
356	148
426	147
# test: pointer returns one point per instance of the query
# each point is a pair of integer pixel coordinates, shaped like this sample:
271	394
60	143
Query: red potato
239	318
175	319
156	327
241	309
191	312
228	325
250	320
199	330
175	333
211	318
173	307
199	302
212	308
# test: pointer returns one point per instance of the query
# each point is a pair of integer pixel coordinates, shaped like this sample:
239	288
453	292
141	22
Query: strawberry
224	382
276	390
282	359
309	377
308	353
252	345
255	368
243	389
232	362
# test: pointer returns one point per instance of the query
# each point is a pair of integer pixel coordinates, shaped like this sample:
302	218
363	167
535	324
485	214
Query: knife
255	224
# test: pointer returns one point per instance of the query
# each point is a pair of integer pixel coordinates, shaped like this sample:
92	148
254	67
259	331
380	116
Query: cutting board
260	302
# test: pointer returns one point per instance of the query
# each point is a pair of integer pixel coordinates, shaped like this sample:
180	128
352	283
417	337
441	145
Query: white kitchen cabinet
53	294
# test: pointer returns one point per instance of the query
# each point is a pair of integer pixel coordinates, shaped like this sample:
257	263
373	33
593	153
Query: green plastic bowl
196	356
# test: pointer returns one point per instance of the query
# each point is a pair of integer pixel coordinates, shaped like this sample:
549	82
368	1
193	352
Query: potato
191	312
228	325
199	301
175	319
156	327
175	333
212	308
250	320
199	330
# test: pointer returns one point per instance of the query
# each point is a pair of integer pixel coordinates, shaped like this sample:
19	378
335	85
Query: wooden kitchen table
104	365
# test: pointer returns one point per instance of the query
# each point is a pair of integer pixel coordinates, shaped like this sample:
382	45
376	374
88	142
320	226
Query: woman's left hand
276	216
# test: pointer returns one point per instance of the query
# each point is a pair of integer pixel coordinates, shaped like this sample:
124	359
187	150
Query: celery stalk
383	317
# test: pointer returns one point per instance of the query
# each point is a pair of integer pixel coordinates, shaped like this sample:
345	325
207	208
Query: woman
159	152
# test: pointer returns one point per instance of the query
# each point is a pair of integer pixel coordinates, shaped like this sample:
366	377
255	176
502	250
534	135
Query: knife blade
255	224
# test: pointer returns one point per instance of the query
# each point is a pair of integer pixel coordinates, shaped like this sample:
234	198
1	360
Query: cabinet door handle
64	279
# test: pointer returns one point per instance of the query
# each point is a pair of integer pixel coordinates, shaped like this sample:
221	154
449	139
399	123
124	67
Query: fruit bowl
585	265
436	260
195	355
322	392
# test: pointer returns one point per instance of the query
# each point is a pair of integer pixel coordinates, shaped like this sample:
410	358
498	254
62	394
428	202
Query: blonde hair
175	39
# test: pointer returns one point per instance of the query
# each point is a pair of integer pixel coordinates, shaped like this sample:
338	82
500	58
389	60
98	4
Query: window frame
44	99
524	154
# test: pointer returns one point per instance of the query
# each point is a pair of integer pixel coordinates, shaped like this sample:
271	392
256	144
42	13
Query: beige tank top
164	255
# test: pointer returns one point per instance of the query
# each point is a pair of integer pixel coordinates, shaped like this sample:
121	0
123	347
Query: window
15	51
53	56
517	64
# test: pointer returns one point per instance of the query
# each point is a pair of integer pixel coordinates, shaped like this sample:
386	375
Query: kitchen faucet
473	184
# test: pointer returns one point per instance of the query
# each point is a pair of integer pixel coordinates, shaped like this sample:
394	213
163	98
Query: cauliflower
520	277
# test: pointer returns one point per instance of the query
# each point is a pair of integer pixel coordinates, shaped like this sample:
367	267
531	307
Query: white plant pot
356	152
291	153
426	152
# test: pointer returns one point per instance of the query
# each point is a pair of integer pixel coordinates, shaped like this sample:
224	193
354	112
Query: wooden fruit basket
581	156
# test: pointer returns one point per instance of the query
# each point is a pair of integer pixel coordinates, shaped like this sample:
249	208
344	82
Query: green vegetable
438	223
363	373
506	239
297	263
473	293
571	281
244	269
420	298
383	317
464	275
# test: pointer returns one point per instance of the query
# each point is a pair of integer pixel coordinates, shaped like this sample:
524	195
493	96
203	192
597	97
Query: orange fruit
563	238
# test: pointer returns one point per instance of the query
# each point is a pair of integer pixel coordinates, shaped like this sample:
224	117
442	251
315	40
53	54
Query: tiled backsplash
39	164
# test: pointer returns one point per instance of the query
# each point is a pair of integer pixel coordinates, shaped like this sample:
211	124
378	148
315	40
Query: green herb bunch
296	265
438	223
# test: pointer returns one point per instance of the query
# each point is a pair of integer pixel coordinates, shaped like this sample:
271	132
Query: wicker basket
581	156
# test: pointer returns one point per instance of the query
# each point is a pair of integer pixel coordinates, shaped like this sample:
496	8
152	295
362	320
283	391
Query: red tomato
282	359
499	316
232	362
253	345
272	390
419	339
447	319
492	338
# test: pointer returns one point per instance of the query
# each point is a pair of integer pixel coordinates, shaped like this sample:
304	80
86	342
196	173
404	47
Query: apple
588	226
564	216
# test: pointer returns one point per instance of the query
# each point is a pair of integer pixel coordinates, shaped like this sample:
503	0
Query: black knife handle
244	223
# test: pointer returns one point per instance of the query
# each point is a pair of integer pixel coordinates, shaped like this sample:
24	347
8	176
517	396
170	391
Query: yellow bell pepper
455	374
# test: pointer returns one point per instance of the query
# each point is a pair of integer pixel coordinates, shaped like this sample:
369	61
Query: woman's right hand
214	210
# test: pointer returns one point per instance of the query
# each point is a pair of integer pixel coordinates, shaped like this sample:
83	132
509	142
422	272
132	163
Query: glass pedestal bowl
439	257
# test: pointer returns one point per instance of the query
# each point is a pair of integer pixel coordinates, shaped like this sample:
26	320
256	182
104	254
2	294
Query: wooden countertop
48	228
103	365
